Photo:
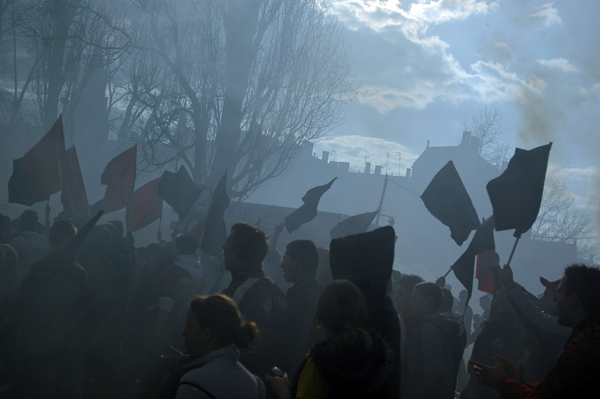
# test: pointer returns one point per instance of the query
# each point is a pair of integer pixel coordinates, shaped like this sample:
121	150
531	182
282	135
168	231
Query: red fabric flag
119	178
146	206
43	162
484	272
73	195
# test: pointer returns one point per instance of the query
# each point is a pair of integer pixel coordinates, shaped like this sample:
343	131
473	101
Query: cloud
379	15
558	63
547	15
352	149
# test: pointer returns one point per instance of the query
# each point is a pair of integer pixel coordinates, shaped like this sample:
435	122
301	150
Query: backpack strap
261	388
242	289
210	395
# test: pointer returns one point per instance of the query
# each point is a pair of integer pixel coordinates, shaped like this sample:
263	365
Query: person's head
119	228
29	220
463	295
246	247
300	260
404	292
485	302
578	295
341	306
426	299
185	245
61	233
215	322
447	300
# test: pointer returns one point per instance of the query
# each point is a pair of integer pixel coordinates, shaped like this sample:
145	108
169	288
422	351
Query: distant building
424	245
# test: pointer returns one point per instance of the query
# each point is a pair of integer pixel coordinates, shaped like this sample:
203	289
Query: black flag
448	200
179	190
215	231
353	225
308	211
482	241
516	194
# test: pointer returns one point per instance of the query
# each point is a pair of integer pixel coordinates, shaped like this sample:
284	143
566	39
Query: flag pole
447	273
158	233
381	200
513	250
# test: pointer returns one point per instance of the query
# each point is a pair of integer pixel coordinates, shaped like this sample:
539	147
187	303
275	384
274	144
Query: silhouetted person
214	333
428	371
257	296
367	260
576	373
49	346
299	267
30	245
352	362
404	290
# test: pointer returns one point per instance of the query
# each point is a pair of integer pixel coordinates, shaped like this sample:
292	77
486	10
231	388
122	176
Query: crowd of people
168	321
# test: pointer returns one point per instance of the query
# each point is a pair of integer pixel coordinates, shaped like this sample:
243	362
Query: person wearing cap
540	318
576	373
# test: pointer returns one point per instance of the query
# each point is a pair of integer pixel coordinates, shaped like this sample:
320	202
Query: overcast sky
425	66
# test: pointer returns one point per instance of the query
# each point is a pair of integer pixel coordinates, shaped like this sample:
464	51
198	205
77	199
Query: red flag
44	161
146	206
484	272
119	177
73	195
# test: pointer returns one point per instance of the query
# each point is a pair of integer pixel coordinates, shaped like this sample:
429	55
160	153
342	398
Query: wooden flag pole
513	250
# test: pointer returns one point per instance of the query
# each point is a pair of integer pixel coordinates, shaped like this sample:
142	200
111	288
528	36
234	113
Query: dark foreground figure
576	373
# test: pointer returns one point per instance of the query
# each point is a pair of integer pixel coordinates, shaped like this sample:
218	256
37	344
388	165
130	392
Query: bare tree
234	85
560	220
486	125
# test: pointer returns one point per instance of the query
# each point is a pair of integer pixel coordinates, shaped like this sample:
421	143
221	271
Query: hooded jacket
351	372
428	370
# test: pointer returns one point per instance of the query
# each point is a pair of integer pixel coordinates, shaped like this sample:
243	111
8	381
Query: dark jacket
265	304
428	370
352	373
301	332
575	375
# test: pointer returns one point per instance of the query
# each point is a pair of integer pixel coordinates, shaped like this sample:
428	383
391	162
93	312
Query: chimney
466	139
325	157
378	170
344	166
368	168
475	144
408	172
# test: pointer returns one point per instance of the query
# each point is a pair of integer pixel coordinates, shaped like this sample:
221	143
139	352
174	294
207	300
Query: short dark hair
61	232
585	281
306	252
186	244
29	219
430	290
410	280
250	243
447	300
